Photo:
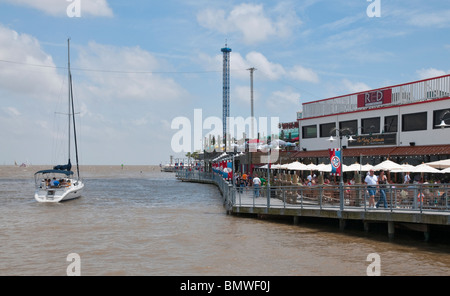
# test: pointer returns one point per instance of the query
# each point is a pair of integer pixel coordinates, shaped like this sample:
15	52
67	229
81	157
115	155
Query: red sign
374	98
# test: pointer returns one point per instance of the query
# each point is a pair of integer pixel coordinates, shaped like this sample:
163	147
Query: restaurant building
400	122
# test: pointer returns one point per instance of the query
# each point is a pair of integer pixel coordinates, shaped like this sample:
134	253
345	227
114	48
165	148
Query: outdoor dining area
427	186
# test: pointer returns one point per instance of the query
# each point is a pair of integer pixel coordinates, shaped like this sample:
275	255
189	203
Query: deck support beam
391	229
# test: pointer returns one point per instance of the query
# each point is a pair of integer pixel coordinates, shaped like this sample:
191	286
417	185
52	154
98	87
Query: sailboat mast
69	82
72	112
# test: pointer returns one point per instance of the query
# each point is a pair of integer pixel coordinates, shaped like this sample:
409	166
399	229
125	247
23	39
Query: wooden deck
295	206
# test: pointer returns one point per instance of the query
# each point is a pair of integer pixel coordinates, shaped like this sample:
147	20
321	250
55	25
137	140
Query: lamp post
341	133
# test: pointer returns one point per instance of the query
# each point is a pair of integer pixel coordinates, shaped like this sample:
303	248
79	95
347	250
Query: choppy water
139	221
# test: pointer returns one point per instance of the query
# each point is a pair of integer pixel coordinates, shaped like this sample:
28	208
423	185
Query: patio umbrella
367	167
311	167
277	166
220	156
446	171
324	167
297	166
424	168
440	164
278	142
404	168
387	165
355	167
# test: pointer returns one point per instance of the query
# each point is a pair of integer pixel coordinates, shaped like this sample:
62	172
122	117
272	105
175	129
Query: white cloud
283	103
241	96
251	21
286	97
430	72
11	111
353	87
26	68
270	70
59	7
304	74
264	68
127	74
439	19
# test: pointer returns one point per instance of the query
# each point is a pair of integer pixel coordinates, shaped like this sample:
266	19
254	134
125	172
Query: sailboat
60	183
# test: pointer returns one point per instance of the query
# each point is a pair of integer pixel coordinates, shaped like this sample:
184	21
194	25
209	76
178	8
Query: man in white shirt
407	178
371	180
256	185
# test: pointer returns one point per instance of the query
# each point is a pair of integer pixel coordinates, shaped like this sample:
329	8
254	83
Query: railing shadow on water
398	197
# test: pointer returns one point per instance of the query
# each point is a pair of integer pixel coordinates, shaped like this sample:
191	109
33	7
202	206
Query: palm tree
189	155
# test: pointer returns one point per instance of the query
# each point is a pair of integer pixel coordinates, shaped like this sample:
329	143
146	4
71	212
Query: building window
370	125
414	122
350	124
391	124
438	116
326	128
309	131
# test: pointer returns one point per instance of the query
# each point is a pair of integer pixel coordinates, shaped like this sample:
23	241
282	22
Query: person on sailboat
54	183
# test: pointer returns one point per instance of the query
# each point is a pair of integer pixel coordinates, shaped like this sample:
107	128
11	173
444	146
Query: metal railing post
390	197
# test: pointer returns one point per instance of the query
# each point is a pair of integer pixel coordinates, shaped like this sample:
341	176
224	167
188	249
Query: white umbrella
220	156
367	167
447	170
278	142
311	167
424	168
297	166
387	165
404	168
324	167
440	164
351	168
276	166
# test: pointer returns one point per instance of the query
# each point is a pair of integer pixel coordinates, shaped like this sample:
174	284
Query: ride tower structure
226	92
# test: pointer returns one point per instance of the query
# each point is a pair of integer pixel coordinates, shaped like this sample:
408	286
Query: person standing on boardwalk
256	185
407	178
241	185
371	180
382	181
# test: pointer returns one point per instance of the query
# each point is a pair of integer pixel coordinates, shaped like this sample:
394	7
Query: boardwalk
295	202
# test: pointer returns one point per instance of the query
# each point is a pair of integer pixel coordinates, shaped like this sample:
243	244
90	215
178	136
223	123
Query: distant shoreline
86	171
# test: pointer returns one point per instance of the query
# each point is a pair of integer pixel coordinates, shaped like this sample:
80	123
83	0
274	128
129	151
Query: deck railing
398	197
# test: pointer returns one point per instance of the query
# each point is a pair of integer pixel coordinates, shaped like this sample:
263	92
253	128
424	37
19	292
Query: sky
139	65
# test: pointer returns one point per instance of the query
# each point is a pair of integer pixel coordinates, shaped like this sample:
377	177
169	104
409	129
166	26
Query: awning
381	151
67	173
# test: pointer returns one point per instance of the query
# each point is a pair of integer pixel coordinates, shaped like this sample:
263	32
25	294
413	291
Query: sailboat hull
53	195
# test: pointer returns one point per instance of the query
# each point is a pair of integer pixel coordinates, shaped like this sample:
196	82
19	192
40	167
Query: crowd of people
246	180
54	183
377	185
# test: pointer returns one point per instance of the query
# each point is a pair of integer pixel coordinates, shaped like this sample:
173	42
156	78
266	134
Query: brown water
140	221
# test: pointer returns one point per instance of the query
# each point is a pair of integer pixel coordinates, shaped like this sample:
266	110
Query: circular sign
335	162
